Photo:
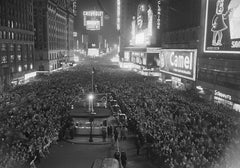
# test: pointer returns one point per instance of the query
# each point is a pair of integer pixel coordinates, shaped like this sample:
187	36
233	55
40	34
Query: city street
69	155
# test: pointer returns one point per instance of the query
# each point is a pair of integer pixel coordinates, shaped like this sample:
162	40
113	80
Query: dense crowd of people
37	114
182	129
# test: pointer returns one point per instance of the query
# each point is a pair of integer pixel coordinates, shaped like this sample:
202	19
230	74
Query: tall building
53	22
187	46
16	41
71	12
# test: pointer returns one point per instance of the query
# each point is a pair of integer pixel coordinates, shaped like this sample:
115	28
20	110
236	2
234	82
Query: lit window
12	69
12	58
11	47
3	48
31	66
19	57
19	68
4	59
18	47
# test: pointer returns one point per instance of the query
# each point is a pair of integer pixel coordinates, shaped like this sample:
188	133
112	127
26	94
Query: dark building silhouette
16	41
53	22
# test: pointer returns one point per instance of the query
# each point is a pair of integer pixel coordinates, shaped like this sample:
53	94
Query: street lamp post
91	117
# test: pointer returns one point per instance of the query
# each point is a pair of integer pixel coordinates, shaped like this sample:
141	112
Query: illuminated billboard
181	63
93	25
93	20
118	14
222	22
142	32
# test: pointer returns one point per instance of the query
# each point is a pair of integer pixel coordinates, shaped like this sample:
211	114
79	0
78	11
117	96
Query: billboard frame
205	50
194	64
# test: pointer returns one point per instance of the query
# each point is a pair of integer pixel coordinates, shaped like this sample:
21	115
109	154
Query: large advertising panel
93	25
93	20
144	25
177	62
222	26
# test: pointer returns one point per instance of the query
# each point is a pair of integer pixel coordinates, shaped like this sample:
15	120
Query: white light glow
118	14
30	75
140	38
19	68
93	25
90	97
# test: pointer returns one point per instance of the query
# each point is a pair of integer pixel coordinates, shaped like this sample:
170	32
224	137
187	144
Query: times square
120	84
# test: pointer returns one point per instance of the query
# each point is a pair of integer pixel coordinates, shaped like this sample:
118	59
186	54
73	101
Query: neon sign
158	13
118	13
181	63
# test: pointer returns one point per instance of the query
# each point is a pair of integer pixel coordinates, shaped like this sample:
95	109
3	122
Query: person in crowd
124	133
137	144
116	134
109	130
104	133
123	159
117	155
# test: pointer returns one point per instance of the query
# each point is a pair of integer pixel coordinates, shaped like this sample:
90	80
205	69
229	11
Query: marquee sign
181	63
93	20
222	22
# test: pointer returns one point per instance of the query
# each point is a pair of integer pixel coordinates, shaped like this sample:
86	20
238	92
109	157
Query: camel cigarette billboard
178	62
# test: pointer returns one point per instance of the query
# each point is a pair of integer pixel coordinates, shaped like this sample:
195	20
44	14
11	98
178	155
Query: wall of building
218	70
16	40
53	33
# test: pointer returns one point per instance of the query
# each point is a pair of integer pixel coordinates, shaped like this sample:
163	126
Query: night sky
109	28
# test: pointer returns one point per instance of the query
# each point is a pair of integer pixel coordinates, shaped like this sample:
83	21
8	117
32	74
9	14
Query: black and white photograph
119	83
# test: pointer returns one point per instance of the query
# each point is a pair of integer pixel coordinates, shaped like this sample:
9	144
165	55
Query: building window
4	59
31	66
3	48
12	58
24	57
19	68
25	67
40	57
19	47
12	24
1	35
30	55
11	47
19	57
12	69
12	35
4	34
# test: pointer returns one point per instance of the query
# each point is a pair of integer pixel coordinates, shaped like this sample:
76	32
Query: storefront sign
181	63
222	98
222	33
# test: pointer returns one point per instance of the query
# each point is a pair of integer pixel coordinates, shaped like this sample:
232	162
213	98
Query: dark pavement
73	155
79	153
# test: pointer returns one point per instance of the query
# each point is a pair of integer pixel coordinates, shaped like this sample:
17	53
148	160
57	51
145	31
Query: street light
90	103
91	115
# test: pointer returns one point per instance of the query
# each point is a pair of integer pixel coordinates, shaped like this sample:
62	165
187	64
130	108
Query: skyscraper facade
53	22
16	41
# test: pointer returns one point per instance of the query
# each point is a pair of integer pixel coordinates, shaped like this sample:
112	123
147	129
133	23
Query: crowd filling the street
174	129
